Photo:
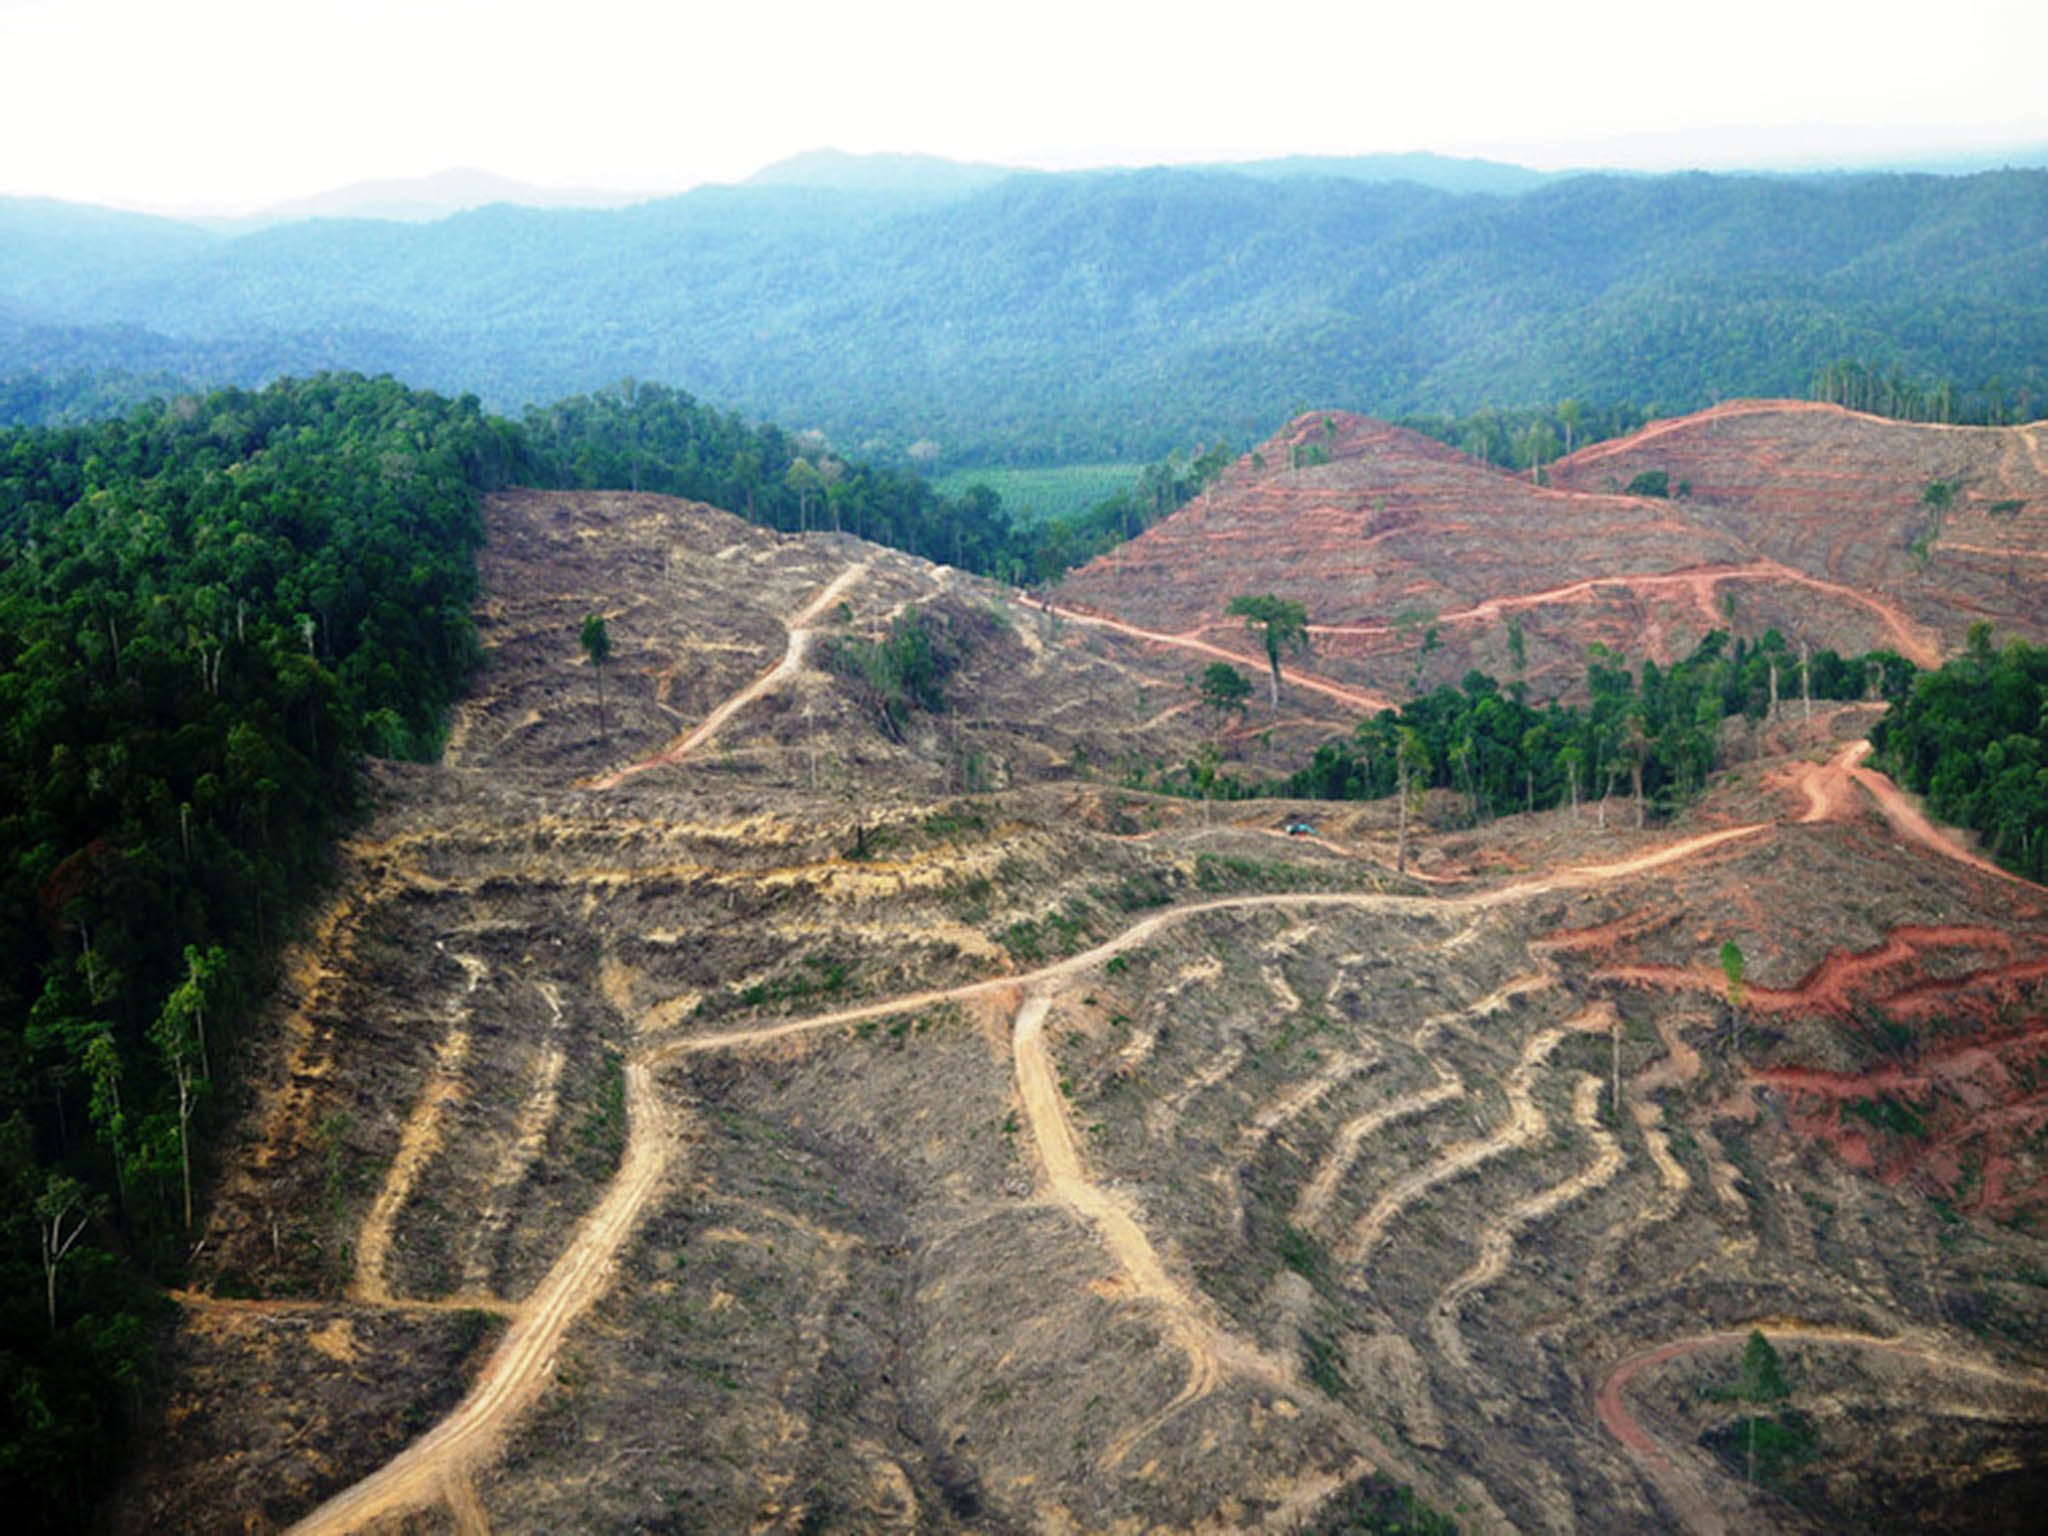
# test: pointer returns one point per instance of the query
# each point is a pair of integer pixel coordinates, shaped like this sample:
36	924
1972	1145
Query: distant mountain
917	175
51	251
1444	172
1105	314
422	199
934	176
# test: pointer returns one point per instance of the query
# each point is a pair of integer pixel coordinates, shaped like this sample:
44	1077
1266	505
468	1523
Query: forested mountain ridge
1103	314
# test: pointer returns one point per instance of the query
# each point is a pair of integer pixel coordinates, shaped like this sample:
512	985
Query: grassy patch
820	975
1036	495
1771	1444
1303	1254
958	820
601	1134
1216	872
1060	932
1324	1362
1146	888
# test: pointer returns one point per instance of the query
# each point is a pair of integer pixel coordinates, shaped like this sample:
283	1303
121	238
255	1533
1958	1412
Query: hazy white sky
228	105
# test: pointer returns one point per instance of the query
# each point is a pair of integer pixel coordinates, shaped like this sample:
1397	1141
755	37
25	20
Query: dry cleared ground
1414	561
739	1120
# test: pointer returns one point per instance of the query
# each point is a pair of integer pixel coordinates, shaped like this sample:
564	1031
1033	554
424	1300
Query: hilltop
1413	559
751	1109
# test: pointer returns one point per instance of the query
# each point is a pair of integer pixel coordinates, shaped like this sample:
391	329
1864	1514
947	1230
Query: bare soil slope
1807	518
813	1129
1843	496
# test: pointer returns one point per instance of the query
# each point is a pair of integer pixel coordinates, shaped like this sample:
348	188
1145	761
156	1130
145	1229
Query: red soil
1890	976
1909	821
1963	1104
1804	517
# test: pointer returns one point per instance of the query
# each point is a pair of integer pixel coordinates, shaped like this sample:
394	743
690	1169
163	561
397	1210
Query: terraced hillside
1413	559
749	1114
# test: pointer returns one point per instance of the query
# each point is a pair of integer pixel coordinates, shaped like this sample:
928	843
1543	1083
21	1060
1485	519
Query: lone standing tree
597	645
1224	689
1280	624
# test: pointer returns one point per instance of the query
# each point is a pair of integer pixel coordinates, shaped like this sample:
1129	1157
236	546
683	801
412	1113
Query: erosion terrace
743	1114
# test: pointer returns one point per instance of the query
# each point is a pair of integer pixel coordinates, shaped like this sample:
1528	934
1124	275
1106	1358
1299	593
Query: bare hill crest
1827	525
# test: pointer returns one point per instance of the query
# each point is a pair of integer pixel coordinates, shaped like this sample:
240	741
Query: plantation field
1035	495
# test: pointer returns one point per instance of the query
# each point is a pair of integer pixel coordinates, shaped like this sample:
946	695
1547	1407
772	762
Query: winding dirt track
1914	640
1358	698
520	1366
1524	1124
800	636
1911	823
517	1371
1826	786
418	1141
1679	1481
437	1468
1497	1241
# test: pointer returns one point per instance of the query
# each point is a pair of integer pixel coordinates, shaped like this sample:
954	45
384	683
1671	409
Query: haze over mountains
1049	317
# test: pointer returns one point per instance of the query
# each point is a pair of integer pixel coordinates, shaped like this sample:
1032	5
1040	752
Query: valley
726	1107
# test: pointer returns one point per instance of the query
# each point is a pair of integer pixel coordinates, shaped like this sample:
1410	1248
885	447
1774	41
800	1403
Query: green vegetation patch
1973	738
600	1138
1888	1113
1378	1506
209	610
1652	733
1041	495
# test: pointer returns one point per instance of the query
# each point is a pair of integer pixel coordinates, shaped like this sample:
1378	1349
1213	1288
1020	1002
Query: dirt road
1357	698
1679	1481
1913	640
518	1370
1912	823
800	636
522	1364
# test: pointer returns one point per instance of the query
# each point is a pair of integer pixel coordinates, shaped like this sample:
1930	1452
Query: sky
227	106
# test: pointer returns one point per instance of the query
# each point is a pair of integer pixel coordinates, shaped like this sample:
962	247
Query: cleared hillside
754	1117
1413	560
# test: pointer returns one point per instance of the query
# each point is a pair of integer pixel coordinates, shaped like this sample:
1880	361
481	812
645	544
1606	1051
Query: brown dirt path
518	1369
418	1140
1826	785
1185	1324
1358	698
1352	1135
1572	878
1680	1483
1524	1124
1679	1066
1911	822
529	1140
1497	1239
1914	640
800	637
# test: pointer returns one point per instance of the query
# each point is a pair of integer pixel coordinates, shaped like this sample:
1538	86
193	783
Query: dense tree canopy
1104	316
207	609
1973	737
1653	733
